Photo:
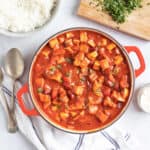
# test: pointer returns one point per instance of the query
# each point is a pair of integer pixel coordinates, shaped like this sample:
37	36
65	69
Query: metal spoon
11	125
14	68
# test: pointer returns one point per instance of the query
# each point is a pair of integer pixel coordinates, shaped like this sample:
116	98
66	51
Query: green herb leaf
52	69
69	60
59	66
117	9
83	79
39	90
68	74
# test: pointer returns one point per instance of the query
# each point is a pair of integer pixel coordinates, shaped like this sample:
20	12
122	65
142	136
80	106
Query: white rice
24	15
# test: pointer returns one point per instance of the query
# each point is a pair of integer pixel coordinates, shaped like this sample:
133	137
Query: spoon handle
11	125
12	103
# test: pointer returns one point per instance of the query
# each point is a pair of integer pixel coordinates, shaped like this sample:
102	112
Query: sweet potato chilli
81	80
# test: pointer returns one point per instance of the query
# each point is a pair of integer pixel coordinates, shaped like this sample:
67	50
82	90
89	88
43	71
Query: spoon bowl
14	64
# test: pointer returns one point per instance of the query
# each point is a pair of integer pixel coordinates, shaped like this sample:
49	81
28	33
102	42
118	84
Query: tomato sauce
81	80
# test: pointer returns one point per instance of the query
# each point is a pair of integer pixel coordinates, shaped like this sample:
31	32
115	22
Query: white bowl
140	100
23	34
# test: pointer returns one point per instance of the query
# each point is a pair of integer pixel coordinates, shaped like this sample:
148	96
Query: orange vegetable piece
92	55
84	48
44	98
76	41
84	63
102	116
96	65
117	95
92	43
61	39
124	81
46	105
93	76
104	64
111	46
69	42
83	36
69	35
57	76
40	82
78	90
64	115
46	51
118	60
104	42
109	102
125	93
54	43
93	109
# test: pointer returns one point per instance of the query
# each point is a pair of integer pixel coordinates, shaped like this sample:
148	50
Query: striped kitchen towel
46	137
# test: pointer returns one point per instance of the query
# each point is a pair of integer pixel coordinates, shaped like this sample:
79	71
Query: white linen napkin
46	137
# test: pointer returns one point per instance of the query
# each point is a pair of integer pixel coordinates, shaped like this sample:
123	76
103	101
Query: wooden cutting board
137	23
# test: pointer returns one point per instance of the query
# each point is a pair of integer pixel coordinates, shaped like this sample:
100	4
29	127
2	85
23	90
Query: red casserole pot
38	111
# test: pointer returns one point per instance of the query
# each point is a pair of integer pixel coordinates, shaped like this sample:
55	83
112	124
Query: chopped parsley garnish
117	9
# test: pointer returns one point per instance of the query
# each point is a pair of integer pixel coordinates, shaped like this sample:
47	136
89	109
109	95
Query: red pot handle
137	51
26	111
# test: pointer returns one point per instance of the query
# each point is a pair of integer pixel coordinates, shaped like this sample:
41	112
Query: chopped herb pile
118	9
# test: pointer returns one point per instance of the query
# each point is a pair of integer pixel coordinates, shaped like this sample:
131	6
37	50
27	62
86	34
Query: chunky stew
81	80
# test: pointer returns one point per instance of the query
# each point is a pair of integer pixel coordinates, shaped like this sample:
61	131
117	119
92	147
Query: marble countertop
135	121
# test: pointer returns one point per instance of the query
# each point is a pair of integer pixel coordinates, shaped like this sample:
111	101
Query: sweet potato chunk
102	116
84	63
84	48
61	39
92	55
93	99
78	90
46	51
97	88
118	60
93	109
44	98
40	82
46	105
109	102
117	95
54	43
78	59
69	42
69	35
57	76
124	82
104	42
83	36
64	115
111	46
104	64
92	43
96	65
125	93
93	76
